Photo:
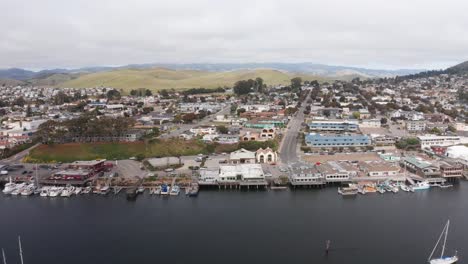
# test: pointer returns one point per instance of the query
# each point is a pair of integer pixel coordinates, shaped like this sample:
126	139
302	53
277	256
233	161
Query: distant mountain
16	74
305	68
459	68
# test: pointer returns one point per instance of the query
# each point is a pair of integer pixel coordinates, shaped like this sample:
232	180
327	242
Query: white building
443	141
414	126
242	156
203	130
241	172
457	152
266	156
370	123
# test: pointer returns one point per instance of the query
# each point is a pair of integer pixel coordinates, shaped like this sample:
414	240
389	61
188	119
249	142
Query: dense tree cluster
85	126
203	91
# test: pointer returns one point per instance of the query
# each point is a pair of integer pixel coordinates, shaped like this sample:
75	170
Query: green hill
160	78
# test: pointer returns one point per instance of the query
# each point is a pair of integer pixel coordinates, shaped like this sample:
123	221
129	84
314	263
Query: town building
302	174
333	140
415	125
421	167
242	156
431	140
266	156
319	125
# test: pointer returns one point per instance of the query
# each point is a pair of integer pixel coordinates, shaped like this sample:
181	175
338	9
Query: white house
242	156
266	156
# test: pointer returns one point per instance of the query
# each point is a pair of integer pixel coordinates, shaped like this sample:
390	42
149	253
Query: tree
188	118
244	86
28	111
133	92
356	115
222	129
383	121
148	92
164	93
296	83
113	94
259	84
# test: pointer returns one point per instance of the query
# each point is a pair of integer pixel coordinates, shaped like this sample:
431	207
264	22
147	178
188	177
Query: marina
414	226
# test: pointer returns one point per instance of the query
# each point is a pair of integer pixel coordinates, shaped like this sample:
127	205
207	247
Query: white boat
9	187
68	191
105	190
164	189
28	190
78	190
140	189
445	185
55	191
442	259
117	190
175	190
421	186
19	188
347	191
44	191
404	188
87	190
157	191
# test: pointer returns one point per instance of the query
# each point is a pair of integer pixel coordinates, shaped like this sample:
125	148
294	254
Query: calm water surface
235	227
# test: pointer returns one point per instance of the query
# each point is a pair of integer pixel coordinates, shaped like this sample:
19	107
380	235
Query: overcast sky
371	33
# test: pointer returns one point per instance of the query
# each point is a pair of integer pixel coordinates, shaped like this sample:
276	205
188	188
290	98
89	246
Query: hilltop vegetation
159	78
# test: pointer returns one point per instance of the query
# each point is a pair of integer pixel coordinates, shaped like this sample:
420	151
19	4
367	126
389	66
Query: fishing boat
348	191
445	185
369	188
424	185
193	191
442	259
164	189
68	191
175	190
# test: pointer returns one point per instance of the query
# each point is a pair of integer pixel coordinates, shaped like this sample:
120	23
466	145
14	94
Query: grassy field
89	151
159	78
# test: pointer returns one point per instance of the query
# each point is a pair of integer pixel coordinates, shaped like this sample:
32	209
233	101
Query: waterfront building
334	171
457	152
345	125
420	166
451	169
241	172
333	140
379	168
303	174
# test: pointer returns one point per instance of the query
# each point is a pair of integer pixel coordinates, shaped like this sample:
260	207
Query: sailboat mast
20	250
4	258
445	239
438	241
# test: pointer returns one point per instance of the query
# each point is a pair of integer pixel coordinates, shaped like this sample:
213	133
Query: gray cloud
370	33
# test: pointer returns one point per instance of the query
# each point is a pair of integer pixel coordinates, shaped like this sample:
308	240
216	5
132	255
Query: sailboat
442	259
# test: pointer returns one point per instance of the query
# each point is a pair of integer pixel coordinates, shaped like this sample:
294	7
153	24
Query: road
288	148
184	127
18	157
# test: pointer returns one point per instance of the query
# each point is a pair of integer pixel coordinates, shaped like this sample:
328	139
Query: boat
164	189
131	193
175	190
68	191
9	187
405	188
370	188
445	185
87	190
78	190
44	191
424	185
442	259
18	189
193	191
140	189
28	190
105	190
117	190
348	191
157	191
55	191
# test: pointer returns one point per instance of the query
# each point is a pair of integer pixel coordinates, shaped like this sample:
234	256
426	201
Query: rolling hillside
161	78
